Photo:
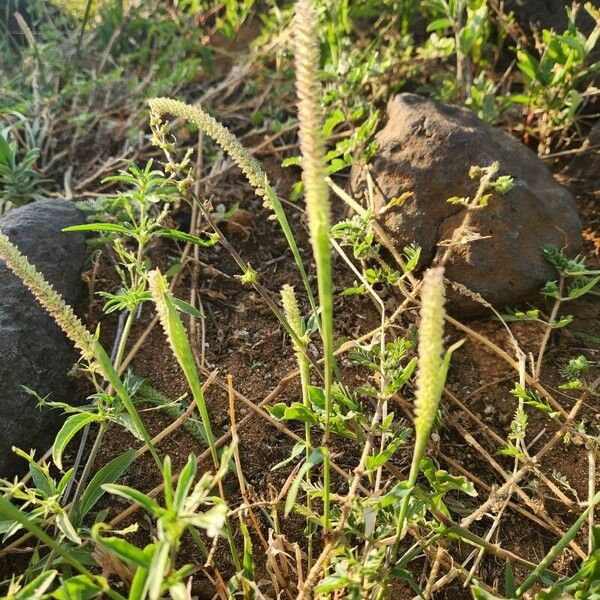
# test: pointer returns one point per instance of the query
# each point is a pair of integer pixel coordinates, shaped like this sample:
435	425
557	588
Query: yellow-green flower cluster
292	314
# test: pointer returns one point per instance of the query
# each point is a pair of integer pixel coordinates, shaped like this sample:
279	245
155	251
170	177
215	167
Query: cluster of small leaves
516	437
357	233
468	33
488	183
531	398
156	570
20	181
394	366
534	314
573	371
345	419
580	280
552	77
131	219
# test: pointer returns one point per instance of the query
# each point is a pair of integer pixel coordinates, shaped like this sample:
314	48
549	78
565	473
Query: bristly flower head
292	314
308	88
220	134
48	297
430	375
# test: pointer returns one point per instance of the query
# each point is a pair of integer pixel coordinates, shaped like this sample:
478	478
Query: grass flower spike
312	145
316	193
292	314
48	297
180	345
429	380
243	159
431	375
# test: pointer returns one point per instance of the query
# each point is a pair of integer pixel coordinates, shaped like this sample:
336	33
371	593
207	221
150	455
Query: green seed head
430	377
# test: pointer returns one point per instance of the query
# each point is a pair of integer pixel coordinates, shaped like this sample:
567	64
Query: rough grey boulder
427	148
33	350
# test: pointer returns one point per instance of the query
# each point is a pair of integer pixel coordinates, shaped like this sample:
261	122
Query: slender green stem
316	193
557	548
84	22
296	323
88	466
124	338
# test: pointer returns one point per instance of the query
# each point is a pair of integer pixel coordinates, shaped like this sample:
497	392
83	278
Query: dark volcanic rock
34	351
427	148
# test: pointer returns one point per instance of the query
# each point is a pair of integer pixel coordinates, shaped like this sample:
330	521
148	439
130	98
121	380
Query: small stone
427	148
35	353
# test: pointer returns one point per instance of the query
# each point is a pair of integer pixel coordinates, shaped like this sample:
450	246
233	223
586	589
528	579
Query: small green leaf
157	569
298	448
295	412
480	593
294	161
527	65
121	547
443	482
65	525
374	462
137	591
582	286
248	559
212	520
36	589
41	480
510	588
6	151
70	427
109	473
136	496
186	478
335	118
79	587
186	308
315	458
561	322
175	234
438	24
110	227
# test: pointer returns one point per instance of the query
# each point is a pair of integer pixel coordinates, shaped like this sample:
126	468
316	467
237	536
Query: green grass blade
564	541
180	345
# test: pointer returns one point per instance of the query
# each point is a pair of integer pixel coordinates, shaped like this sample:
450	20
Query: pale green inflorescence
242	158
48	297
429	378
308	88
292	314
159	290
